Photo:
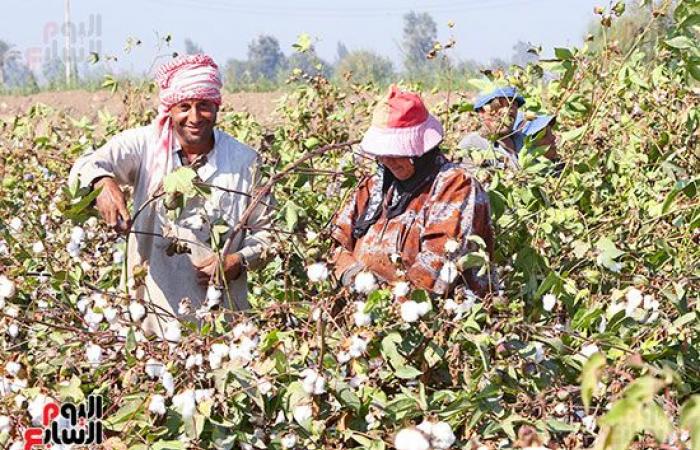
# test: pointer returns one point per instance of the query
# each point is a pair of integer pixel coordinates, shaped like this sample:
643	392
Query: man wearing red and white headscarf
182	134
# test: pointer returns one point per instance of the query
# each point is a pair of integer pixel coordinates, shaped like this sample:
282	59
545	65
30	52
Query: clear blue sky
483	28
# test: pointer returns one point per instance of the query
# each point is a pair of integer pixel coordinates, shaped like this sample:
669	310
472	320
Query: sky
483	29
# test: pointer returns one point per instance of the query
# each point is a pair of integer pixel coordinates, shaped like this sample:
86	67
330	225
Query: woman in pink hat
410	221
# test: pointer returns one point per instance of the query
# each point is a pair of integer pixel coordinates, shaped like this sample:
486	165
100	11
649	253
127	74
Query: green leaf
680	42
132	409
589	378
563	53
303	43
71	390
656	422
690	419
167	445
180	180
407	372
574	134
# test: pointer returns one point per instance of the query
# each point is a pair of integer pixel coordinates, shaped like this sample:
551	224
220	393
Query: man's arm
117	162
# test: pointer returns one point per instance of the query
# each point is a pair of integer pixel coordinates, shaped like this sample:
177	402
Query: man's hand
207	267
112	205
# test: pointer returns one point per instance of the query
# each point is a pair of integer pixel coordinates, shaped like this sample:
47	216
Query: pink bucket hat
401	126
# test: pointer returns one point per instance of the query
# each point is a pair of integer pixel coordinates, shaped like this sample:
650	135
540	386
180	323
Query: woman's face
401	166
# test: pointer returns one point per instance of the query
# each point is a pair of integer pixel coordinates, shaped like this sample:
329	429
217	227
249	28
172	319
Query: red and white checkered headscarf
189	77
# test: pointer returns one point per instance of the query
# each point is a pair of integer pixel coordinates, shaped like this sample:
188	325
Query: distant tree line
266	67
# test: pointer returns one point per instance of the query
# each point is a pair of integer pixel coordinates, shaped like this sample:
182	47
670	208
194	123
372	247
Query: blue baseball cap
537	124
503	92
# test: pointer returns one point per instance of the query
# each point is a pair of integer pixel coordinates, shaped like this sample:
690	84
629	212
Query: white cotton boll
99	300
220	349
411	439
13	368
343	357
561	409
201	395
173	332
548	302
289	441
634	299
264	386
13	330
2	303
603	325
410	311
16	225
615	308
110	314
194	360
93	318
424	308
7	287
361	319
451	246
358	347
426	427
117	257
589	423
401	289
73	249
38	247
157	405
442	436
140	353
215	360
650	303
168	382
313	382
302	413
589	350
36	408
5	424
82	304
154	368
365	282
317	272
357	381
136	311
539	352
448	272
12	311
93	354
214	295
184	307
77	234
244	329
184	402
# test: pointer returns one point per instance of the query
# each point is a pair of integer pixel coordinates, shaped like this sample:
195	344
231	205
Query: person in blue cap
540	130
504	129
501	128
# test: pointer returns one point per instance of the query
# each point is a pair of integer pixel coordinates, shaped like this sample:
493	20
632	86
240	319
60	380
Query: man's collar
206	170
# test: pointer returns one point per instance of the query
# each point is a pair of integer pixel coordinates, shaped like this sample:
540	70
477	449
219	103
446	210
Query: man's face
401	167
193	121
498	117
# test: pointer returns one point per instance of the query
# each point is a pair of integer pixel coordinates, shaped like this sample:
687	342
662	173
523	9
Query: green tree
364	66
419	37
265	57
